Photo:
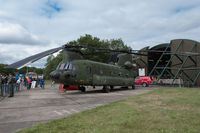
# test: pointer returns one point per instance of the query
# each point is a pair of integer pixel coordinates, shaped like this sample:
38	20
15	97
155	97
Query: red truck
143	80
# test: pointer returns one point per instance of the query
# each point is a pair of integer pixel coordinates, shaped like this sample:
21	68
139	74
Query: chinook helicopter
74	70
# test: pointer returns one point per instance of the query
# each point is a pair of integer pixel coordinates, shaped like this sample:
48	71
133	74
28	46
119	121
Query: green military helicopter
74	70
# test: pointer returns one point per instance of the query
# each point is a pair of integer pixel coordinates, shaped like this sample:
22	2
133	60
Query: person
37	82
42	83
11	82
1	88
53	84
29	83
25	81
33	85
18	84
6	85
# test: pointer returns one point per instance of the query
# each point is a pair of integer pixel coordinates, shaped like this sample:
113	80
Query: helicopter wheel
106	89
126	87
133	87
111	87
82	88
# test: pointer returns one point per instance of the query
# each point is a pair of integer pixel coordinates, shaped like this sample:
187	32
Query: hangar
177	62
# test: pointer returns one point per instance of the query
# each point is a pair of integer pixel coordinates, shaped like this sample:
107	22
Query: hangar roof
163	45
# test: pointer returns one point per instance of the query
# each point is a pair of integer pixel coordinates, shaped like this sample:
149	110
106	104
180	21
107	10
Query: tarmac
31	107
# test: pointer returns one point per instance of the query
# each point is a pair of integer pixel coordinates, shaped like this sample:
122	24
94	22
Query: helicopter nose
55	75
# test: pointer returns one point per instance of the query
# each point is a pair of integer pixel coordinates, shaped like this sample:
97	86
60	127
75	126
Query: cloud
15	52
138	23
11	33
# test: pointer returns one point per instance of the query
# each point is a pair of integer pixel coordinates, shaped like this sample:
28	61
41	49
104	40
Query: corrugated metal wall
186	52
184	61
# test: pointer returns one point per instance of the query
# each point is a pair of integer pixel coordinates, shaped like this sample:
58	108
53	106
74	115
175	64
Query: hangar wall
186	60
179	59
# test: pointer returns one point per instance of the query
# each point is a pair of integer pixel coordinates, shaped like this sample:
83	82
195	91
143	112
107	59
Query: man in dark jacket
1	88
11	82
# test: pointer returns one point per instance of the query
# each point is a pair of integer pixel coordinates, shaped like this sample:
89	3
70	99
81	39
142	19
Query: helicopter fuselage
91	73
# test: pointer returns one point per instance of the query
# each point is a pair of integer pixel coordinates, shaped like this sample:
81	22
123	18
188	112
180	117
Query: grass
166	110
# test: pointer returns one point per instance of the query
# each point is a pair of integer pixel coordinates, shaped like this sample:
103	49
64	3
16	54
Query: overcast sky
28	27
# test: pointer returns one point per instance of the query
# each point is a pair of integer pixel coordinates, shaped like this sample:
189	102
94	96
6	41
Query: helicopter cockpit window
88	70
70	66
120	74
66	66
101	71
58	67
62	66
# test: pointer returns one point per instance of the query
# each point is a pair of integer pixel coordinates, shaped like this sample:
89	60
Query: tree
51	64
88	40
5	71
23	70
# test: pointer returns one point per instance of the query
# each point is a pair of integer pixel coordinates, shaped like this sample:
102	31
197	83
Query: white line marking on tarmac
58	113
66	111
74	110
85	107
98	105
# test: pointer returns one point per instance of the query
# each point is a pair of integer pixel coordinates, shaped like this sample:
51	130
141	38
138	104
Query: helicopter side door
89	74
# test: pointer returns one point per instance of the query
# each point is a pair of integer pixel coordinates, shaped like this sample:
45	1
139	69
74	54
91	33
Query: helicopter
75	70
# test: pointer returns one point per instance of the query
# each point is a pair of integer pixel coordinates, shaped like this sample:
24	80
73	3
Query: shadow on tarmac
97	91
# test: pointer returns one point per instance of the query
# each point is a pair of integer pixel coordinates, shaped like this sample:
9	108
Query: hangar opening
155	57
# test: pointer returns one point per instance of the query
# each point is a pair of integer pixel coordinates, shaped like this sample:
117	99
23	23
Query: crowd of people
9	84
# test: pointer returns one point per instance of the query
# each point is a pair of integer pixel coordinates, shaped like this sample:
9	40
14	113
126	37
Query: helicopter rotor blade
106	50
31	59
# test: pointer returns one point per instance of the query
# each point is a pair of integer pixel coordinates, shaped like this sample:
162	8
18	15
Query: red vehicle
70	87
143	80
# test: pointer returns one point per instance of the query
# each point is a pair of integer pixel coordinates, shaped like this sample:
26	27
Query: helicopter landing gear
133	87
111	87
82	88
106	89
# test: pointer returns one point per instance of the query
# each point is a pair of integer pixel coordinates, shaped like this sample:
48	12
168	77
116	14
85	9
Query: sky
28	27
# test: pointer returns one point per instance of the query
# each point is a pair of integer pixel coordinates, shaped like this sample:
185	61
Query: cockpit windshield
70	66
58	67
63	66
66	66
